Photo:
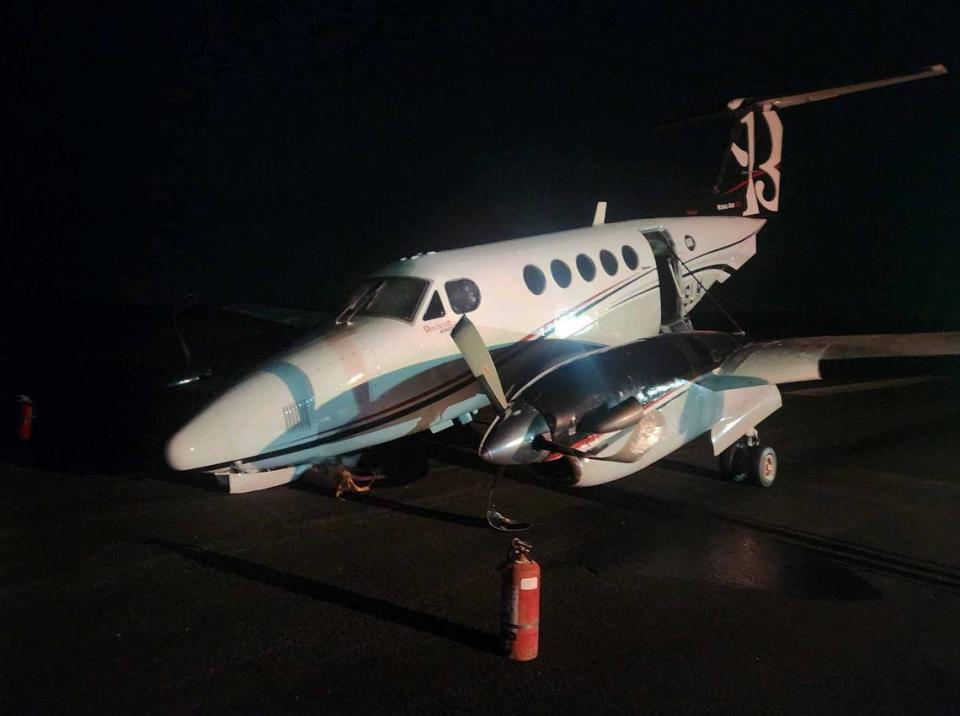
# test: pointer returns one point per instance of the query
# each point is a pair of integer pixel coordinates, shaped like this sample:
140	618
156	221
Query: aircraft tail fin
750	175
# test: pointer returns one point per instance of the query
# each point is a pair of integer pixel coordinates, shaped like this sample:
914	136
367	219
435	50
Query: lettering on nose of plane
444	326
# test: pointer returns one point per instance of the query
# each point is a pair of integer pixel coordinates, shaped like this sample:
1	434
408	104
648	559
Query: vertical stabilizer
749	180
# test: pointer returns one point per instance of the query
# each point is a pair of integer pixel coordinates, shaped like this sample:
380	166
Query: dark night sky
270	152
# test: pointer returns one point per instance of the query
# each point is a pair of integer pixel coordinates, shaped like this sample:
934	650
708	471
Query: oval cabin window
586	267
463	294
535	280
609	262
561	273
630	257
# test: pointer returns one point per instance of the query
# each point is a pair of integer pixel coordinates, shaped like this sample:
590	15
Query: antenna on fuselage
600	215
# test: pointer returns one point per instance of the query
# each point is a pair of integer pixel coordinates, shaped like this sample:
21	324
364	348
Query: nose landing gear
748	458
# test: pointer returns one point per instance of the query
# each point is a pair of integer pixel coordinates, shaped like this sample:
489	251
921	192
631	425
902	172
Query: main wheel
763	465
735	461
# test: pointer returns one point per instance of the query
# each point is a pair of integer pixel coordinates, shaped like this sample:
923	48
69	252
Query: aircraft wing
296	317
798	359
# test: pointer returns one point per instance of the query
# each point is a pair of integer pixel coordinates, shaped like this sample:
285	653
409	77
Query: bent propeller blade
480	362
502	523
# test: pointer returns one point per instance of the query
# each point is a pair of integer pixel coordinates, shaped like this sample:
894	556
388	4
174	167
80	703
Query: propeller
497	519
519	434
480	362
478	359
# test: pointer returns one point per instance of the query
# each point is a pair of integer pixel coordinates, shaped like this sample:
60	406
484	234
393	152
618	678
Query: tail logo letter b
755	183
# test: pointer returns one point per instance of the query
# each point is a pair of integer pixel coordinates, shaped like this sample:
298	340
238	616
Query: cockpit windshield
392	296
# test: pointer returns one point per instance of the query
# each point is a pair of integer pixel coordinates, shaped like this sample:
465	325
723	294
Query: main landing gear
748	458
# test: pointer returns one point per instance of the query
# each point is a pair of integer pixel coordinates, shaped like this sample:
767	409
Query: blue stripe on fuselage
354	411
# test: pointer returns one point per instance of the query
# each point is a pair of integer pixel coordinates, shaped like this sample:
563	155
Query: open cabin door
668	274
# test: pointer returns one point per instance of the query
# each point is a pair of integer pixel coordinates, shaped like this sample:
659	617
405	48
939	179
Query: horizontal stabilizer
798	359
793	100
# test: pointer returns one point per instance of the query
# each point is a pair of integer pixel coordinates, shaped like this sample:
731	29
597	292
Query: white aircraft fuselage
379	377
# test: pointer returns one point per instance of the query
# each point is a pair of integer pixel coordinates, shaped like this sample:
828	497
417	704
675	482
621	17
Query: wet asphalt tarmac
671	591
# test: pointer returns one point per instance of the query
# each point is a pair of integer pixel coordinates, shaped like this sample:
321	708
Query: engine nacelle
727	414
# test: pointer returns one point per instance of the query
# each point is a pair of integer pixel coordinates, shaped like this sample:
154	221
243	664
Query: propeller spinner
510	439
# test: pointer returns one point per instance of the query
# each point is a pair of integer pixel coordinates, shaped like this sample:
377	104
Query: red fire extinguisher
25	429
520	603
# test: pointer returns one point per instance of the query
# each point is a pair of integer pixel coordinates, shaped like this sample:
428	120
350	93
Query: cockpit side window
463	294
394	297
434	308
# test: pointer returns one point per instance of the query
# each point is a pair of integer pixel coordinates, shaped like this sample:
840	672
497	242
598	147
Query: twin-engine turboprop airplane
588	330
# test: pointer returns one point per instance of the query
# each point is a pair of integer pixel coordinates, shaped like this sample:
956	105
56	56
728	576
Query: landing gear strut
748	458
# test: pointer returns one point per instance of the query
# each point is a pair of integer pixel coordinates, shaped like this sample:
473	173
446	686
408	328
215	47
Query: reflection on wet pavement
729	556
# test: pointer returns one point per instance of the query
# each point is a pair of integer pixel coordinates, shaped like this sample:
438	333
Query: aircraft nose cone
510	439
238	425
200	443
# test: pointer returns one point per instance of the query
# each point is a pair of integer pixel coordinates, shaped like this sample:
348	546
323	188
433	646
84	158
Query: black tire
763	465
735	461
